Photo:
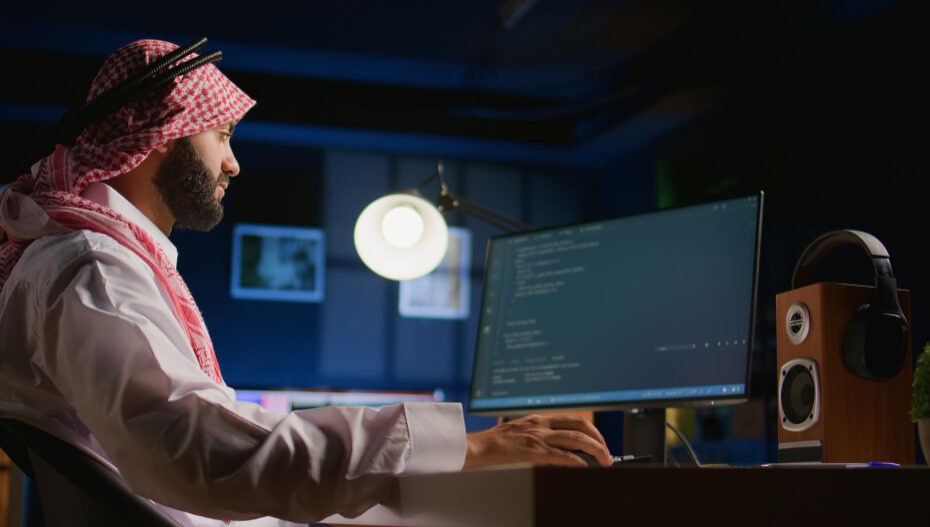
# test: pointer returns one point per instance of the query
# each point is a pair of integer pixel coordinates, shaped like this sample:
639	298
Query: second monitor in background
285	400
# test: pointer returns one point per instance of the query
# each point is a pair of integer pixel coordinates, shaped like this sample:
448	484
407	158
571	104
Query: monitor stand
644	434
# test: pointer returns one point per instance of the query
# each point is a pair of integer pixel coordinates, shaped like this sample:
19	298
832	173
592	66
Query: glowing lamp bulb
402	226
401	236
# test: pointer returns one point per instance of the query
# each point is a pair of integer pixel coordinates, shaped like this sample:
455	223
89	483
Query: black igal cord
154	75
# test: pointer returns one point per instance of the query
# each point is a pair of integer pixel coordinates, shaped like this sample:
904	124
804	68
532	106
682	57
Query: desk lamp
402	236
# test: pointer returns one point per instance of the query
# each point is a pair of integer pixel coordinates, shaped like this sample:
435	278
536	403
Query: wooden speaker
826	412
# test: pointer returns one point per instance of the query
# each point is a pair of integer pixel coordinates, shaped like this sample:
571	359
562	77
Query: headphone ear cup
854	342
875	343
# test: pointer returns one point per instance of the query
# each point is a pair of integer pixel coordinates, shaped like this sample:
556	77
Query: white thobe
92	353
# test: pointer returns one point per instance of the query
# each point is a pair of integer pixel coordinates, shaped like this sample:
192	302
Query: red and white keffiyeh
47	200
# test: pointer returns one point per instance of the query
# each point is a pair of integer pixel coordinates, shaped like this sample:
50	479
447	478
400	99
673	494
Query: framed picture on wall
445	292
274	262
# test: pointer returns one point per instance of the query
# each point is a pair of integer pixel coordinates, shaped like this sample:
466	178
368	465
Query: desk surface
527	496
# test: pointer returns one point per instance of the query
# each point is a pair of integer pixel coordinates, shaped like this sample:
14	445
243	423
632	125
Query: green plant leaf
920	408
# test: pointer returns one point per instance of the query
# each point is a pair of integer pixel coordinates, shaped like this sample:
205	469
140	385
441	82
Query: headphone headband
153	76
804	269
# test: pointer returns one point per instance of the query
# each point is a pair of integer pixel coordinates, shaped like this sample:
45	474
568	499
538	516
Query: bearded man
104	347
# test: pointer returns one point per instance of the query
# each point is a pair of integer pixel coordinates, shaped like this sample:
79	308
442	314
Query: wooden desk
525	496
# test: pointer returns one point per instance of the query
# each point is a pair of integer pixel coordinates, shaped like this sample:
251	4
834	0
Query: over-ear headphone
875	342
155	75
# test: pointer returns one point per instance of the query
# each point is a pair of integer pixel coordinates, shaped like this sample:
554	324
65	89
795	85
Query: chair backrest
75	489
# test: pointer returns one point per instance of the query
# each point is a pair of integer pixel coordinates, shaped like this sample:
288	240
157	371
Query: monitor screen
651	310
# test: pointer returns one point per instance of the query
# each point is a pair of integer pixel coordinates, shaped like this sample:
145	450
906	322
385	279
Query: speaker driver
798	394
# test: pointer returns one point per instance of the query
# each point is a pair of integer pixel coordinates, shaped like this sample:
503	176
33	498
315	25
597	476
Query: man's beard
188	188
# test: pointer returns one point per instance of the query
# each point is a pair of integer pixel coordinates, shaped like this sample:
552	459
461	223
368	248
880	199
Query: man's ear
164	148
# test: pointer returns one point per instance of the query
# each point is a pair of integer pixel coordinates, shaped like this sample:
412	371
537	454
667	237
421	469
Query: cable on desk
685	442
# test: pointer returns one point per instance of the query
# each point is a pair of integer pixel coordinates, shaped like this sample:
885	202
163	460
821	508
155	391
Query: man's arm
116	354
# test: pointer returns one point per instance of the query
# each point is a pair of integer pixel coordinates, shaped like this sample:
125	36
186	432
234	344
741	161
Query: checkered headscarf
47	200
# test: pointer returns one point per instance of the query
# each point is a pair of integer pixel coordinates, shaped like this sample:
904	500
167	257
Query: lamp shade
401	236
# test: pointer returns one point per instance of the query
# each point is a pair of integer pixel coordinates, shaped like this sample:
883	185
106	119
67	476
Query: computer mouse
589	459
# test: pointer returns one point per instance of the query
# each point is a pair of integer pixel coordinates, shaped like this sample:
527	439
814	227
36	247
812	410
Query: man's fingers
571	440
568	422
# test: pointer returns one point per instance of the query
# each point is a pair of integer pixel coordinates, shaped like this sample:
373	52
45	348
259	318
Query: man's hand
544	440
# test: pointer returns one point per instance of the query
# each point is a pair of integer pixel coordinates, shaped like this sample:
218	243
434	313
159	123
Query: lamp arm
448	201
427	181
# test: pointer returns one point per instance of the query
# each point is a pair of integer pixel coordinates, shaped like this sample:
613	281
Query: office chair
75	489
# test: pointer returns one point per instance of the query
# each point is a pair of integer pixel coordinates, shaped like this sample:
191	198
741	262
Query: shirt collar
105	195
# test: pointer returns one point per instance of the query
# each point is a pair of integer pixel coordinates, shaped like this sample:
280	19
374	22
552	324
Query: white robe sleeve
108	342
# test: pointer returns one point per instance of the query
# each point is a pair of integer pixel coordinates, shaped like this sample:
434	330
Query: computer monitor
646	311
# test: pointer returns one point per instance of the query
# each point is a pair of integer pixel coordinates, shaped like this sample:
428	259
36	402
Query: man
104	345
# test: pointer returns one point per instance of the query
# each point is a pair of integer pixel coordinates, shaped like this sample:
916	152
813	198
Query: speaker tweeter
798	322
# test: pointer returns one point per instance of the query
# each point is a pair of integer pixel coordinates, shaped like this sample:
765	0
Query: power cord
684	441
